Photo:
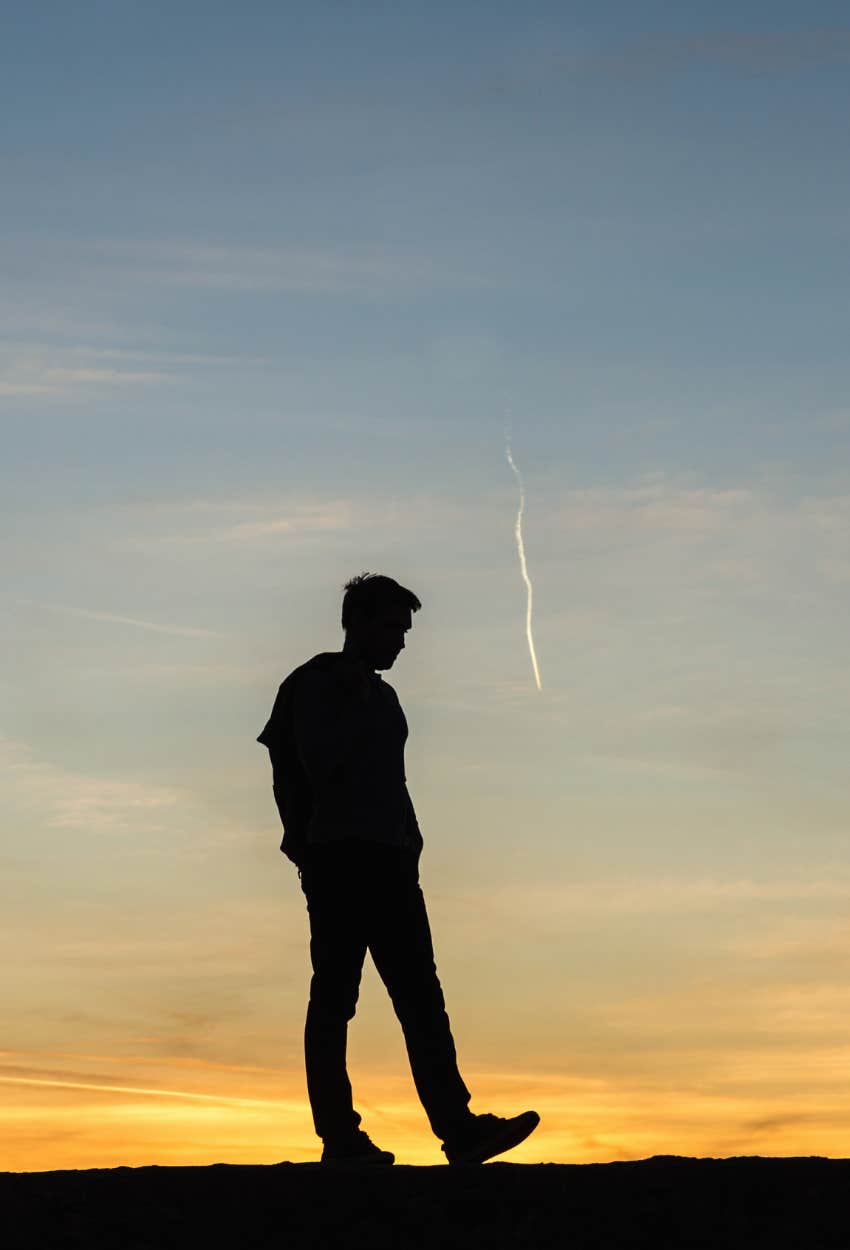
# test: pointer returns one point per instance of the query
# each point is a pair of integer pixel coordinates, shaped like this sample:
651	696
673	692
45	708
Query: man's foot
356	1149
489	1135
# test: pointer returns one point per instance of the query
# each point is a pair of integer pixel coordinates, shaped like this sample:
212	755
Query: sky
275	276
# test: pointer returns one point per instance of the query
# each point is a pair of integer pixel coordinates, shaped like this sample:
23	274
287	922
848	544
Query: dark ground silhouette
663	1203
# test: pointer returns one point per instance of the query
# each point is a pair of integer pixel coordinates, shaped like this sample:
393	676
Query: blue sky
274	278
420	216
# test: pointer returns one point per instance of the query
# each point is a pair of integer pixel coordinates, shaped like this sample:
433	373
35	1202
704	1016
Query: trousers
366	896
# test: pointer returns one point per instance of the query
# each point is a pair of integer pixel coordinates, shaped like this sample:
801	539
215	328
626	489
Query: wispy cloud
748	52
188	675
45	379
181	1061
238	523
365	271
65	799
54	368
112	618
68	368
650	895
140	1090
746	536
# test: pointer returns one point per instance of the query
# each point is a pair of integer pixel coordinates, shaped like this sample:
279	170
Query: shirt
352	756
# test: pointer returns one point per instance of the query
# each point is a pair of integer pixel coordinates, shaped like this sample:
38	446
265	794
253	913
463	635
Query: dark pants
362	895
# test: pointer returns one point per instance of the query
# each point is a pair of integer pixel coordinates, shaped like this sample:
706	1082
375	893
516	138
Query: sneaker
489	1135
359	1148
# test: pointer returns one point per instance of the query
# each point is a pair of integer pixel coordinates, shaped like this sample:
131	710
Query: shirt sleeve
275	728
412	824
326	726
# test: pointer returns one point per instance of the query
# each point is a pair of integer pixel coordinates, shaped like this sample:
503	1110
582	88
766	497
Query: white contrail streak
521	550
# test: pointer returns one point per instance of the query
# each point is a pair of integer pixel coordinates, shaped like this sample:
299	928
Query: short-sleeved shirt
365	796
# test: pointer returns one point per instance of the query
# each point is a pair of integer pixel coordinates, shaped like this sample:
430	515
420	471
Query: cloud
140	1090
48	367
182	1061
188	675
367	271
693	535
759	52
838	420
552	902
239	523
800	942
661	514
772	1124
64	799
156	627
281	520
29	321
55	370
659	505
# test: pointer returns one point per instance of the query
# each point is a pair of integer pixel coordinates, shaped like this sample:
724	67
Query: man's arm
327	718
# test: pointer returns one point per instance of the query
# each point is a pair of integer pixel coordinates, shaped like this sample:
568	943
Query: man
336	738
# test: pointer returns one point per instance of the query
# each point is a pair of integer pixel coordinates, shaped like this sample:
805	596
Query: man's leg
337	951
399	939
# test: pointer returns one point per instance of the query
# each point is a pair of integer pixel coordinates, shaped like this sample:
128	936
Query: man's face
380	640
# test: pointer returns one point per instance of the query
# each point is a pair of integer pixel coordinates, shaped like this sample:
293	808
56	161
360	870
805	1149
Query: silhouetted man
336	738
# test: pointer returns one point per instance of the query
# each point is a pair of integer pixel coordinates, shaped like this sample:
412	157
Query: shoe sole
511	1136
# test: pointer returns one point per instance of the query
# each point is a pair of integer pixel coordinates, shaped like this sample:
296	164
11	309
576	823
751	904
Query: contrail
521	550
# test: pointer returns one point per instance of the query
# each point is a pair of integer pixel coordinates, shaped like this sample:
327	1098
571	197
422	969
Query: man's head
376	614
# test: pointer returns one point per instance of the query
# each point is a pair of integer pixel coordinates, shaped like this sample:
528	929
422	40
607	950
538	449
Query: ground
663	1203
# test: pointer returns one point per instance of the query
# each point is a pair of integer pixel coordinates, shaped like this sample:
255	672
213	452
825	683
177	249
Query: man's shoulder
318	674
320	668
322	665
315	677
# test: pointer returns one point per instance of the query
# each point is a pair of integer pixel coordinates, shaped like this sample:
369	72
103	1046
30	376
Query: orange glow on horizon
50	1122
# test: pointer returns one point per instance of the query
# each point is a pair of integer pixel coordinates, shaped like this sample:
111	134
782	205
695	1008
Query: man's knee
333	999
418	999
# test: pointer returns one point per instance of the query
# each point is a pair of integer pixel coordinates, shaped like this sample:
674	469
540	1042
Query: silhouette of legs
337	951
359	895
399	938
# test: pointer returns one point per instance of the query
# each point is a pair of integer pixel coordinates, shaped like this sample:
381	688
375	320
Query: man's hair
371	592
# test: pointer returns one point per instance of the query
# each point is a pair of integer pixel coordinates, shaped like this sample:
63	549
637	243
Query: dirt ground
663	1202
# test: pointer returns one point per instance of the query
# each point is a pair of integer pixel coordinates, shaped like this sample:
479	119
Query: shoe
489	1135
359	1148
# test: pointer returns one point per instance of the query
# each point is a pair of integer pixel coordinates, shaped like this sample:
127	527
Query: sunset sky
275	275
